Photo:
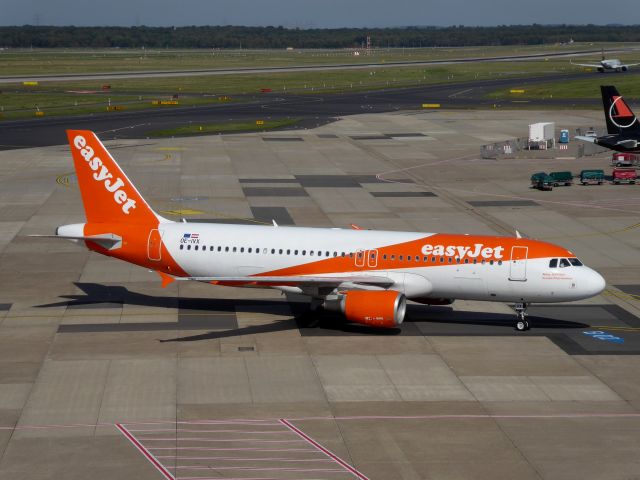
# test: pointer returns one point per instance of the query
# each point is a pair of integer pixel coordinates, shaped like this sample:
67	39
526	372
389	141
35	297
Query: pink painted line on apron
328	453
242	449
186	430
258	469
196	439
147	454
242	459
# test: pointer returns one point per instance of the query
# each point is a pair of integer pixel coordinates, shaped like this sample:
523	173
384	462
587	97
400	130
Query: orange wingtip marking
166	279
355	227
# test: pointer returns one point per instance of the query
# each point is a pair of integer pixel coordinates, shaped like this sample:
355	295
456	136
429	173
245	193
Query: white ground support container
542	132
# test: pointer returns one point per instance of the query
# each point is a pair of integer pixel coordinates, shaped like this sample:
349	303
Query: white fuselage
219	250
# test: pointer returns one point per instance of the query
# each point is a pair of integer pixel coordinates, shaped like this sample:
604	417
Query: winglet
166	279
355	227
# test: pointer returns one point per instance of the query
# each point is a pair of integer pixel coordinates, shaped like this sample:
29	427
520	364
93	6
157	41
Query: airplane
367	275
611	64
623	127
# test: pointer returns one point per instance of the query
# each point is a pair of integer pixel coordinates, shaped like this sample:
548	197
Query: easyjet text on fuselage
475	251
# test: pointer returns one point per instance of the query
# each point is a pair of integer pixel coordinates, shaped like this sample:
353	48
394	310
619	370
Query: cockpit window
575	262
564	263
553	263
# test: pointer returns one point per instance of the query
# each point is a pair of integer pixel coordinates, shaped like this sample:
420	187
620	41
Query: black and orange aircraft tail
617	112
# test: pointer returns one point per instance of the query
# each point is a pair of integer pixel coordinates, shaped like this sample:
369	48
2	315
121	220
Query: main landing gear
522	324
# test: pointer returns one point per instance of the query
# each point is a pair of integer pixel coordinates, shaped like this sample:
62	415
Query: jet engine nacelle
381	308
601	69
624	68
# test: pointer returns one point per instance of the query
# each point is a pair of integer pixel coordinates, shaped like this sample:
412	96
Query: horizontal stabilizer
586	139
107	240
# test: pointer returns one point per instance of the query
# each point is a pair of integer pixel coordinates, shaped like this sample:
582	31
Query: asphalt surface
312	110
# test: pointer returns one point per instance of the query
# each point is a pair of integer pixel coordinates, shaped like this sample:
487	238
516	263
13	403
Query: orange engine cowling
379	308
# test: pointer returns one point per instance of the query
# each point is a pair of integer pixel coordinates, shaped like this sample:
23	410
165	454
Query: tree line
278	37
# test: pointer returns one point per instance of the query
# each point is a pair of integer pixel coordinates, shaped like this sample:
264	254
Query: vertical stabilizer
617	113
107	194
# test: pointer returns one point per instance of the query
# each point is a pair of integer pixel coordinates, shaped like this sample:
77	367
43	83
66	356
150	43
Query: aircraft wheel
522	325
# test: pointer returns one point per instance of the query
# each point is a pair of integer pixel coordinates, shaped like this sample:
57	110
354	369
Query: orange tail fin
107	194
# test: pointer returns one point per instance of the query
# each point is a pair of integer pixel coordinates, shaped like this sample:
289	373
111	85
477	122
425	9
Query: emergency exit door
154	245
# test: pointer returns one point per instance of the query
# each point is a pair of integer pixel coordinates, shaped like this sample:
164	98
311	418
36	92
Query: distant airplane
623	127
607	65
367	275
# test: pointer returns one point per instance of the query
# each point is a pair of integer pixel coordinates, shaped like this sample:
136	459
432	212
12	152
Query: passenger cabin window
564	263
553	263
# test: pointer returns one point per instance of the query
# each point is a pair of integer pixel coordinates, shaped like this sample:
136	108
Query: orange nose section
384	308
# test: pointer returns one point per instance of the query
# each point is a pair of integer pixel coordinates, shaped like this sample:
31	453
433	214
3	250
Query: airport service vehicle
561	178
624	175
592	177
607	65
620	159
542	181
623	128
367	275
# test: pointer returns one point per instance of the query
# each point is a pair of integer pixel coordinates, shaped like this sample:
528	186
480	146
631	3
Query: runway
290	69
312	110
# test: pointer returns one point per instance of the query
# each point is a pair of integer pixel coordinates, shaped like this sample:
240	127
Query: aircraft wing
270	281
586	139
629	64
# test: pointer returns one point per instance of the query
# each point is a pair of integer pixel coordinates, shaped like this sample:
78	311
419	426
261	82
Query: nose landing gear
522	324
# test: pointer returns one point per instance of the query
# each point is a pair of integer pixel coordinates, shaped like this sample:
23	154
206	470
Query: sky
316	13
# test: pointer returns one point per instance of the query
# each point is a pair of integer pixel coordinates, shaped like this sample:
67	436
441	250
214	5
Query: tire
521	325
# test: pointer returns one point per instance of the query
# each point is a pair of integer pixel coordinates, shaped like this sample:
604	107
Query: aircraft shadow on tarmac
420	319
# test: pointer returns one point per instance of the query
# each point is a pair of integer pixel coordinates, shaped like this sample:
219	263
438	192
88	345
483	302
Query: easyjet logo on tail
103	175
478	250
